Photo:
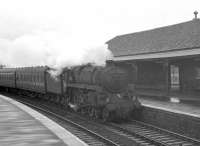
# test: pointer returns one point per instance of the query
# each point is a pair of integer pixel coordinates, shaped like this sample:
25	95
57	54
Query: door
174	78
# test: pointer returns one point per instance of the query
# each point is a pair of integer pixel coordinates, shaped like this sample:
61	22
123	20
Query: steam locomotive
100	92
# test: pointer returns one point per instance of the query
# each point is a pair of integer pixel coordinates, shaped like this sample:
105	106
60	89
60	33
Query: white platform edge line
67	137
171	110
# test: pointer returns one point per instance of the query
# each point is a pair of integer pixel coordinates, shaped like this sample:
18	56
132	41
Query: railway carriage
31	79
7	77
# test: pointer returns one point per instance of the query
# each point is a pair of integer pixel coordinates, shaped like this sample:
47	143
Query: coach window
21	77
42	77
25	77
31	78
34	78
39	77
28	76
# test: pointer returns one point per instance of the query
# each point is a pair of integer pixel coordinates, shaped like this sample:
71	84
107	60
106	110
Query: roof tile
174	37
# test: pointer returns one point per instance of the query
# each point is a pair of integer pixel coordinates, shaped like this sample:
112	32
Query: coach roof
182	36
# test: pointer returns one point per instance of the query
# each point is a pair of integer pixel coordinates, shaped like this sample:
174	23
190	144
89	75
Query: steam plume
51	48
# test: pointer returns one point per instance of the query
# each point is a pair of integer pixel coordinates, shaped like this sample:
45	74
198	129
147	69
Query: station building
166	59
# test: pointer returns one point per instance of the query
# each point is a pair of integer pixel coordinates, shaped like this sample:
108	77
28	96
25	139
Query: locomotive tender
100	92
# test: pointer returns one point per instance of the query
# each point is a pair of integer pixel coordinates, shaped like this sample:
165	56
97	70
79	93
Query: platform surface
180	108
22	126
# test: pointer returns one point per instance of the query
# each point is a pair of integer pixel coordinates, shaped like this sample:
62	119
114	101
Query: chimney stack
195	15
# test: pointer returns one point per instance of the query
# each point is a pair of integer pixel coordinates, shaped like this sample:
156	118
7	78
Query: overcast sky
82	23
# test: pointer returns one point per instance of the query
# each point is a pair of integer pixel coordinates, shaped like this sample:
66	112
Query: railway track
156	135
90	132
85	134
125	134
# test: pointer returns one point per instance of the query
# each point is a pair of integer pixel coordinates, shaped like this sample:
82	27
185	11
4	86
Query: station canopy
177	40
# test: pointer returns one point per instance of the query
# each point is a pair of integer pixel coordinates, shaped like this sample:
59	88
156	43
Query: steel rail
105	140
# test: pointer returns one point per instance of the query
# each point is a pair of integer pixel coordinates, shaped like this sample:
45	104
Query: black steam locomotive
100	92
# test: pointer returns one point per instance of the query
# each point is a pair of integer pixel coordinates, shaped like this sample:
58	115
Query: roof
182	36
32	69
7	70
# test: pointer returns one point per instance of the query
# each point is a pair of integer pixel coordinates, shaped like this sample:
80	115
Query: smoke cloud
52	48
57	34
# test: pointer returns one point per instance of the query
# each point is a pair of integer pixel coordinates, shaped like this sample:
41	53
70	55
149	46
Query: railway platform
179	108
23	126
175	116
